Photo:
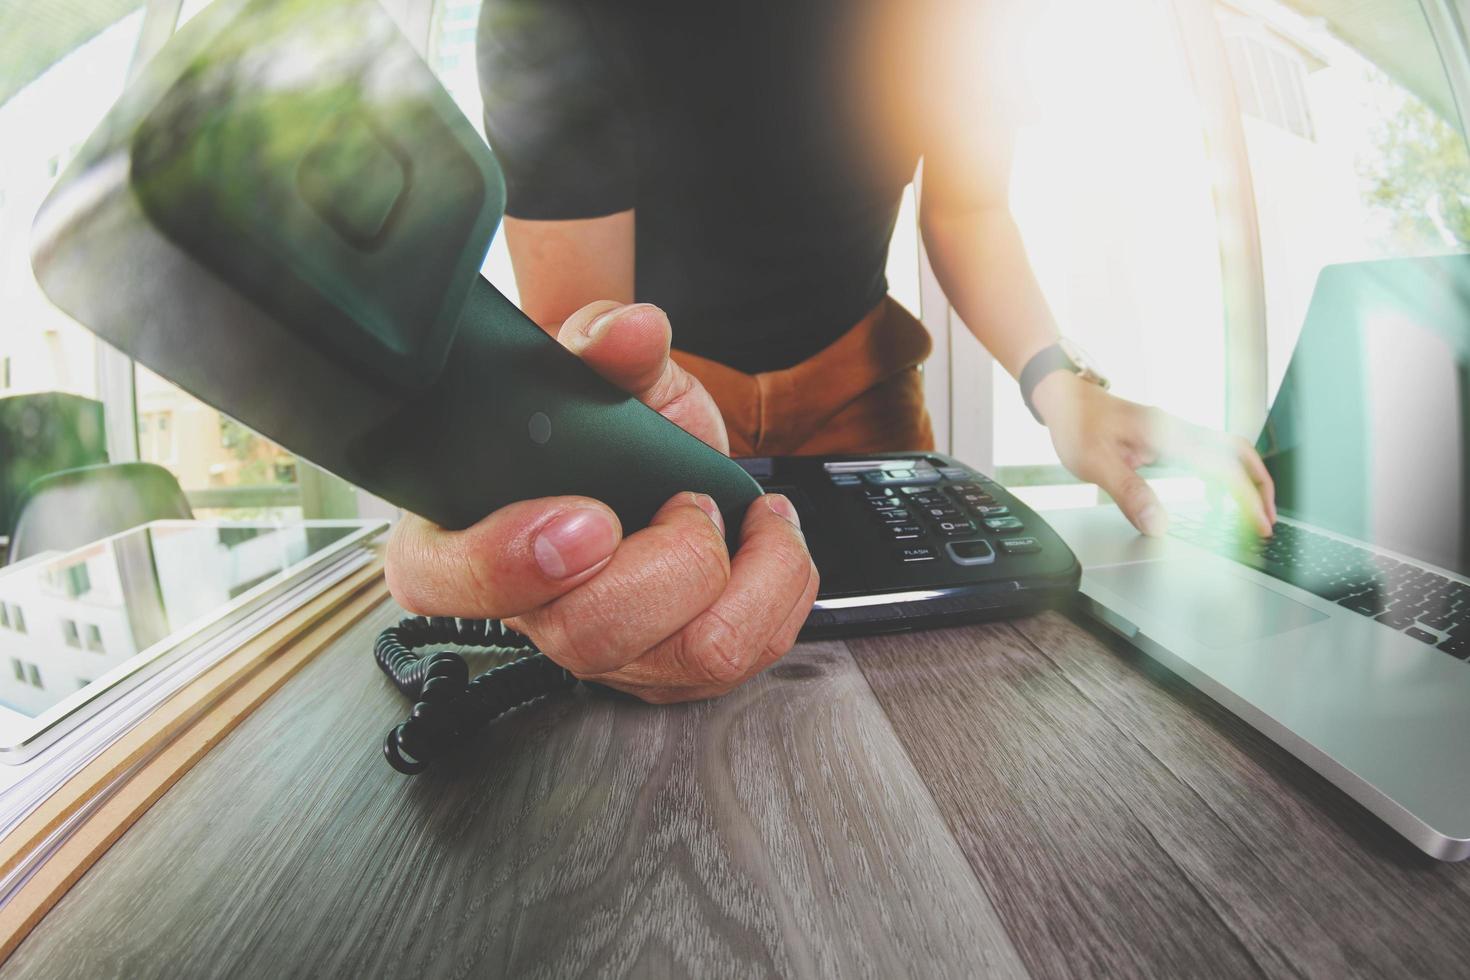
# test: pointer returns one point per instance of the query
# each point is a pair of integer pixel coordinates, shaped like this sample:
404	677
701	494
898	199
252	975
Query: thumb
629	346
518	559
1134	497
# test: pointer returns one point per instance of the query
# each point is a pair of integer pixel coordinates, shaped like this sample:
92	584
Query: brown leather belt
862	393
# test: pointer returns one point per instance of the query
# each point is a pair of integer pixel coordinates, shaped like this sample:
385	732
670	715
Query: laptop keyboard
1428	607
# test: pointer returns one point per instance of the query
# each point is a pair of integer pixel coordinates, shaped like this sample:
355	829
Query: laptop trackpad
1215	607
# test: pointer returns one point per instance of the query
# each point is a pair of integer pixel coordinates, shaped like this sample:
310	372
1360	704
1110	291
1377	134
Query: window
65	64
1270	78
78	580
1354	152
94	638
226	469
1112	187
27	673
70	633
1384	171
155	436
17	619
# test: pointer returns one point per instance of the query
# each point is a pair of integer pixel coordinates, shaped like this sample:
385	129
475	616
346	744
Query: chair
44	433
76	507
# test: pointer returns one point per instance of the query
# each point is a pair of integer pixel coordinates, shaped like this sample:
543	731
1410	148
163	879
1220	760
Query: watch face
1083	363
1074	353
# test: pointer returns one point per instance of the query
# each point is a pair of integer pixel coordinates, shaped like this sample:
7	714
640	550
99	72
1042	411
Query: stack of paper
25	787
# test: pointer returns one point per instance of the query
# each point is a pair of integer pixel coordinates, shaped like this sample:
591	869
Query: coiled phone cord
448	705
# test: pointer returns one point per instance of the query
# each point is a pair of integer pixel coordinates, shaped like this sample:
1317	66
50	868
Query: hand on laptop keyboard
1104	439
1423	604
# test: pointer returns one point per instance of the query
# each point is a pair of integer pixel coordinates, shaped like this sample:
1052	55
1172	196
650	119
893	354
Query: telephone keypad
940	515
944	544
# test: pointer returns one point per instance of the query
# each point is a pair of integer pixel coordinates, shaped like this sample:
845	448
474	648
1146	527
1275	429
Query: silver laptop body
1368	441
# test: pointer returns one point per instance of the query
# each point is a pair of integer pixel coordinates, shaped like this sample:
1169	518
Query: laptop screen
1368	434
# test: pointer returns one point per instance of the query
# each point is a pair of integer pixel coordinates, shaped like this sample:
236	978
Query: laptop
1345	637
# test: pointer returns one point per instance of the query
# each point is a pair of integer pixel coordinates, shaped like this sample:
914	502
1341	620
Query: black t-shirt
764	144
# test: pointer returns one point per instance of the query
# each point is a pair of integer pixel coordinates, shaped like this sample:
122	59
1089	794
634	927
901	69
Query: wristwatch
1060	356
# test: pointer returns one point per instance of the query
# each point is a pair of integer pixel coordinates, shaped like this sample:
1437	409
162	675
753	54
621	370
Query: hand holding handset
286	215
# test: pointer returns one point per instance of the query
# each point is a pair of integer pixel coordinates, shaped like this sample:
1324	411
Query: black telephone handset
286	215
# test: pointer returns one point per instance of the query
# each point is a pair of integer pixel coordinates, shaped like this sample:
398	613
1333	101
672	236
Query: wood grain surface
185	728
1124	824
997	800
778	831
1313	882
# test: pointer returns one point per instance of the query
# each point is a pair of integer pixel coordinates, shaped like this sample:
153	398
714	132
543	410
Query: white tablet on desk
80	630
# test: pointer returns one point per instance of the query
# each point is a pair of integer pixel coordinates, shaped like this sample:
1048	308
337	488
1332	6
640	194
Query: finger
1134	497
658	580
1247	495
771	586
629	346
785	637
1255	468
1227	461
520	557
673	671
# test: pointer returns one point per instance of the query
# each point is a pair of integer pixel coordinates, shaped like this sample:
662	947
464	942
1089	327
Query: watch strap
1043	362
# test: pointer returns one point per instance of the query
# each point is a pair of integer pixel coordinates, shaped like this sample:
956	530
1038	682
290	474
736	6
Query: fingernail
783	507
707	504
1153	521
574	542
591	331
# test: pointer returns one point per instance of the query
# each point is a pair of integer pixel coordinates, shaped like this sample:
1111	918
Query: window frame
1449	24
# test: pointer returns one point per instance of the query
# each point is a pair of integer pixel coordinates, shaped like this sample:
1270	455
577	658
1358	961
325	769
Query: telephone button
971	552
929	500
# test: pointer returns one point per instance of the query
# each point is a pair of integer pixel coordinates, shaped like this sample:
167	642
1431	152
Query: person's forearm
561	266
980	261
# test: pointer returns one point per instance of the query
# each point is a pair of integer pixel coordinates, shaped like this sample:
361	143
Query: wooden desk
1008	799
